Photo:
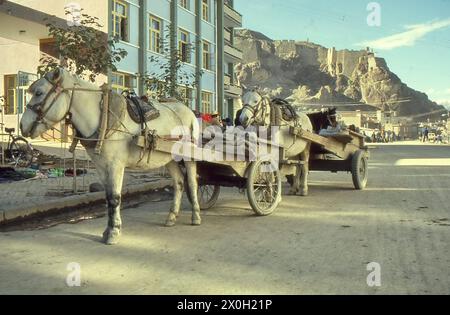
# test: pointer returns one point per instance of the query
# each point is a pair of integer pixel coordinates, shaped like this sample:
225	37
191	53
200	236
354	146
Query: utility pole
220	56
173	46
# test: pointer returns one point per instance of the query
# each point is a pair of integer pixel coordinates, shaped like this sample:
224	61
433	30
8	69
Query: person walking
425	135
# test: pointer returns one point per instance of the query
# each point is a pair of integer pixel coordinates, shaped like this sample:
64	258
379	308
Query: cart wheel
263	188
207	196
360	169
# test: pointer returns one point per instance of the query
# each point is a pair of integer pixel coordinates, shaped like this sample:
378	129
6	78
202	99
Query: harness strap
74	144
104	119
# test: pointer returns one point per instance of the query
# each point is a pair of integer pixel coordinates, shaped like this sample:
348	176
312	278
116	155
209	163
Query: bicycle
19	151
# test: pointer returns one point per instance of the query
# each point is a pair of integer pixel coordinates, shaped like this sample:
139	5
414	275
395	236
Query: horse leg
178	186
295	180
113	180
304	157
191	169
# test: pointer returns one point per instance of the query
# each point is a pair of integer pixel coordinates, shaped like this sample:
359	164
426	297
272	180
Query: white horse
257	111
59	95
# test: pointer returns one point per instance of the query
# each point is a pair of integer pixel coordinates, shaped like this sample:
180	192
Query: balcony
228	37
231	90
232	17
233	53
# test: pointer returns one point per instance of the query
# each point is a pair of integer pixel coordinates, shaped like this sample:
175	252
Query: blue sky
414	35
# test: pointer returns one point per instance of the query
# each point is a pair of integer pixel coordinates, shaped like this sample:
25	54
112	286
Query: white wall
19	38
97	8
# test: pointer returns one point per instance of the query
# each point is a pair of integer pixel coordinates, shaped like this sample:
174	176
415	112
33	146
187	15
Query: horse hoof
304	193
196	222
111	236
170	223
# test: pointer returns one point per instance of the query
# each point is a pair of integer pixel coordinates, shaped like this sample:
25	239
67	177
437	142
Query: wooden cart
344	152
260	178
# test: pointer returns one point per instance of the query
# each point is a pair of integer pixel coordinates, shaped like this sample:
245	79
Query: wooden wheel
360	169
264	187
207	196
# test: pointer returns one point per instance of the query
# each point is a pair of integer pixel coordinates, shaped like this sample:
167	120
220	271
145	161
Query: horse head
256	108
331	113
48	106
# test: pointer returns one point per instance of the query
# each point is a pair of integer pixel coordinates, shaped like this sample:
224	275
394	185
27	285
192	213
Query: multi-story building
206	25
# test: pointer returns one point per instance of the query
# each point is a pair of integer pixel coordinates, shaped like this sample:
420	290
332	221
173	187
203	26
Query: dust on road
320	244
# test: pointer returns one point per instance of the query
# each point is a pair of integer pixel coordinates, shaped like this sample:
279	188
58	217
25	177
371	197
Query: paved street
320	244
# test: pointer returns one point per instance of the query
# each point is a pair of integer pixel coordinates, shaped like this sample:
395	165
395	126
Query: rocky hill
307	73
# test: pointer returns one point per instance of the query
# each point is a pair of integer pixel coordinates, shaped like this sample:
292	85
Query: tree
172	71
83	49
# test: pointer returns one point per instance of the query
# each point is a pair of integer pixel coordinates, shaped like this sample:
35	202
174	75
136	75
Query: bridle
38	108
57	90
254	110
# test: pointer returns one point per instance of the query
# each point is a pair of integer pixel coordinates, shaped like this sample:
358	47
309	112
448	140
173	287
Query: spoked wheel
360	169
264	187
207	196
21	152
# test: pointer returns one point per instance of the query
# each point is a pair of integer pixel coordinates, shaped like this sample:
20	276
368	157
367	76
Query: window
184	4
205	10
10	94
155	34
206	55
186	95
207	102
120	20
121	82
183	46
48	47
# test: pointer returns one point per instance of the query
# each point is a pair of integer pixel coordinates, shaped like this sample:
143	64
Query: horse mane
79	81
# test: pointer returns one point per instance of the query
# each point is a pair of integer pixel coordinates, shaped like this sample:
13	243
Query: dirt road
320	244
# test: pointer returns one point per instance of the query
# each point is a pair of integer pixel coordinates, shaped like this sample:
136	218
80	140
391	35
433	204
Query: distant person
237	120
426	133
216	120
227	122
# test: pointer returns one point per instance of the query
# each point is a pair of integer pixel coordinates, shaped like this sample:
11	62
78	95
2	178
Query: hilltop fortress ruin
305	72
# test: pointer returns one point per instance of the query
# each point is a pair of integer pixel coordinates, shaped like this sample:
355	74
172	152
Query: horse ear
57	75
